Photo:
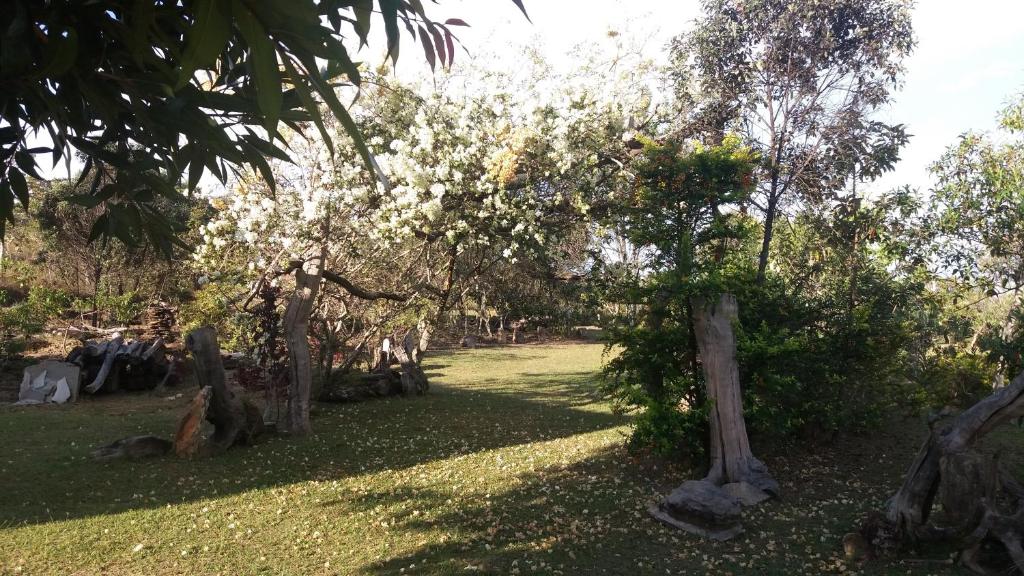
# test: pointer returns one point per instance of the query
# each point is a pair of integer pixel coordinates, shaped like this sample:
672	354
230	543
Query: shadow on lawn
586	518
48	474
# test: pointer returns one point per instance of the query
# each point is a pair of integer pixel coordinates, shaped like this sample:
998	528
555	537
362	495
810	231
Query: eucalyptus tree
794	78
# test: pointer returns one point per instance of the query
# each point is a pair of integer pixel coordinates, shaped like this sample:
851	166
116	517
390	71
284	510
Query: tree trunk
296	329
414	380
769	226
908	510
731	458
235	420
423	342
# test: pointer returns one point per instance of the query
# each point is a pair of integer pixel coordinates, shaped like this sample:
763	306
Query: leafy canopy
194	85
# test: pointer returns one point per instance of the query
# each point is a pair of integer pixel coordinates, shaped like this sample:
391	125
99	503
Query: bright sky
969	60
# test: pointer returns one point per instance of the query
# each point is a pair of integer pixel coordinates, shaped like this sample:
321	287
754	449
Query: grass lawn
510	465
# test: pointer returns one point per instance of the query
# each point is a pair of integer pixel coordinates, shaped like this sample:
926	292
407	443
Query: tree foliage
799	80
195	86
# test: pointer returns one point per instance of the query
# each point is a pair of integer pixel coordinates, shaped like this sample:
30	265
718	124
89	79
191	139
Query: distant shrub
213	305
121	309
956	378
21	321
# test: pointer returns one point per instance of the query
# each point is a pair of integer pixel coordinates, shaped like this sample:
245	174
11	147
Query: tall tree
976	217
792	77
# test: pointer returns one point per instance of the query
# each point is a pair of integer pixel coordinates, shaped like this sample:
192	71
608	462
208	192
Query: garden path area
510	465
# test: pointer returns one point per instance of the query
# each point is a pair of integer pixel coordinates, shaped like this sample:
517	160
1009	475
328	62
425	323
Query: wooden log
157	347
414	380
108	363
908	510
188	440
133	448
233	422
134	351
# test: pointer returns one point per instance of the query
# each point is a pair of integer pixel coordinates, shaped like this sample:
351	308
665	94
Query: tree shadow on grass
585	518
48	474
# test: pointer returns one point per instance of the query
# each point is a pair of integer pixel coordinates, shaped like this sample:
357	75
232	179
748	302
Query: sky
968	62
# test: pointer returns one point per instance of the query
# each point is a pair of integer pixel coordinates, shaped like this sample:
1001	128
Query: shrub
121	309
956	378
213	305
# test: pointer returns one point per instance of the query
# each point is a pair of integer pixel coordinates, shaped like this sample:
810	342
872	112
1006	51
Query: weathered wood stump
235	419
712	507
189	438
980	502
414	380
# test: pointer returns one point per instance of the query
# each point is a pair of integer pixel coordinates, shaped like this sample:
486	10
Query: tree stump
414	380
712	507
731	458
980	503
235	420
189	438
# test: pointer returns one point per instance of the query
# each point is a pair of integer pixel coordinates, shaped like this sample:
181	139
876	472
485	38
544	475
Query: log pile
116	364
160	322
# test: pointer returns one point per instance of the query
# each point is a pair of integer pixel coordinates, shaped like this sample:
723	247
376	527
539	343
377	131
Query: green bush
23	320
213	305
956	378
121	309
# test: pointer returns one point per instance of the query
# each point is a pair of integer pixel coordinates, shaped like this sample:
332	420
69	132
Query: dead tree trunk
423	342
235	421
712	507
980	502
731	458
909	509
414	380
296	329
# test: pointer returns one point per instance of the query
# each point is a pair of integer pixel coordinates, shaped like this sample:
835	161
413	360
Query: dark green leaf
263	59
19	186
205	39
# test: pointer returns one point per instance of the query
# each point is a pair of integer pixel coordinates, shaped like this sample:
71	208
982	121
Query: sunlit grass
511	464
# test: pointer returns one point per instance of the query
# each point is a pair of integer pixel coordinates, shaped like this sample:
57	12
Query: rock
701	508
746	493
42	381
759	477
62	393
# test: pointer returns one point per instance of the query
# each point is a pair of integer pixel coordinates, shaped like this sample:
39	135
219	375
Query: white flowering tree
463	182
